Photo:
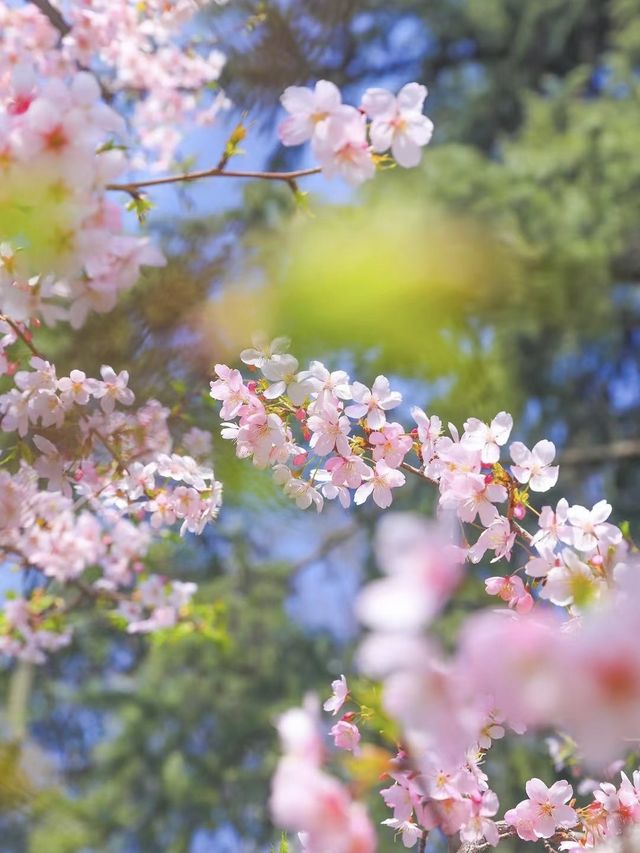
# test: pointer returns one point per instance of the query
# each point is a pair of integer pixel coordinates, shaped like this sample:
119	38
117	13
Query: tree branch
134	187
475	847
594	454
333	540
55	16
25	336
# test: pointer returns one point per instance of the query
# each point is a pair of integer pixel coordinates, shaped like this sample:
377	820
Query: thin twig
24	337
333	540
133	187
597	453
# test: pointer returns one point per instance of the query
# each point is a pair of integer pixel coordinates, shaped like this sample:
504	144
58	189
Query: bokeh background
504	273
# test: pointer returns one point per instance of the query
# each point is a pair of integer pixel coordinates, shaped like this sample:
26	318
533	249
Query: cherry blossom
391	444
512	590
534	466
545	810
346	735
338	697
372	404
409	832
342	148
330	430
590	528
398	123
498	537
379	484
488	439
309	110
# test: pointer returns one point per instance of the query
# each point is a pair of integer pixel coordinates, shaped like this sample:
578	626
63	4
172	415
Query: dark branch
54	15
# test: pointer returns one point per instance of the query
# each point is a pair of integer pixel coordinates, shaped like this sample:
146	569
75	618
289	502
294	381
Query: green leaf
141	206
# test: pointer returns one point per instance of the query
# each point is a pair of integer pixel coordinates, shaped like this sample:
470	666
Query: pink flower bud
19	105
519	511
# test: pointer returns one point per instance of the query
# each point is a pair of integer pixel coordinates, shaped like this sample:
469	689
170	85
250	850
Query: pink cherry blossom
498	537
308	111
112	389
346	735
408	831
263	351
398	123
379	484
372	404
488	439
330	430
546	809
342	150
429	431
348	470
553	525
282	372
480	826
512	590
230	389
534	466
590	528
422	568
570	580
391	444
338	697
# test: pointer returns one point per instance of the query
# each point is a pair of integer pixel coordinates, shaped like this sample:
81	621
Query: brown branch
417	471
597	453
333	540
475	847
24	337
96	593
57	19
55	16
134	187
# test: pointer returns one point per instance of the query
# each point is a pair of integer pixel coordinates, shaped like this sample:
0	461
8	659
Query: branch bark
333	540
134	187
597	453
54	15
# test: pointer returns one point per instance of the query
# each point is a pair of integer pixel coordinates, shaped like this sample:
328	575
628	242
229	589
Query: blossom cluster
63	251
519	668
85	488
428	793
456	799
561	654
310	801
143	52
347	141
326	437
